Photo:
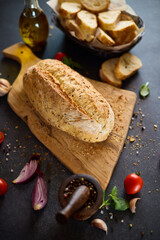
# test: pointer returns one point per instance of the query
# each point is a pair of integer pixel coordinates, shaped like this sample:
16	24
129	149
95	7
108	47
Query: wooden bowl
84	212
110	52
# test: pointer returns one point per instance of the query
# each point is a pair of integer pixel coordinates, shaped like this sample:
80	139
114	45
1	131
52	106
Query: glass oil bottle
33	25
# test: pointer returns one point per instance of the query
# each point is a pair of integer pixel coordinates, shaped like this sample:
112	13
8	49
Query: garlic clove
132	204
99	223
5	86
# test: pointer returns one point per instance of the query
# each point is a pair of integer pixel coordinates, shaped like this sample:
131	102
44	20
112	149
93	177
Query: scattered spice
130	225
155	127
131	139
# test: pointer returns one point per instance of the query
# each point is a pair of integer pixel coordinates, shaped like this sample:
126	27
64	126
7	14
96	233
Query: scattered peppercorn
72	186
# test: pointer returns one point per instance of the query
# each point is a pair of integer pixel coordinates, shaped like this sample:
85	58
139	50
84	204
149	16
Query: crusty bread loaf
124	32
104	37
107	72
66	100
126	66
87	22
108	19
69	9
95	5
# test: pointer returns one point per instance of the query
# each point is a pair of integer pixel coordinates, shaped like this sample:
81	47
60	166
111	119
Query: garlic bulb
4	87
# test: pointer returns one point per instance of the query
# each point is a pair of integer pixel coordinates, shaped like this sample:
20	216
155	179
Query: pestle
78	199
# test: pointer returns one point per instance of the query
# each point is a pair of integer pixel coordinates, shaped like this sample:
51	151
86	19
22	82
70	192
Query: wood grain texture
96	159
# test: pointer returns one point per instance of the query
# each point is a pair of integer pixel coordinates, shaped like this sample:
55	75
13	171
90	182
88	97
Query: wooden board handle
21	53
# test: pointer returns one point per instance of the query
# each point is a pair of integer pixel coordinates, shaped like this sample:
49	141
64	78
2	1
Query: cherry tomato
3	187
1	137
59	56
133	183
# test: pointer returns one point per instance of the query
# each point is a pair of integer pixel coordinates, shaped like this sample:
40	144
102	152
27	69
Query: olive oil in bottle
33	25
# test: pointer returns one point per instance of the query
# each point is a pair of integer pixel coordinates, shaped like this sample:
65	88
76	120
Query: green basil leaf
121	204
114	192
66	61
69	62
144	90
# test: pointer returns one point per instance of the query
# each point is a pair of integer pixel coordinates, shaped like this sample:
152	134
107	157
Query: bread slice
71	25
107	72
66	100
127	65
61	1
95	5
124	31
69	9
108	20
104	37
87	22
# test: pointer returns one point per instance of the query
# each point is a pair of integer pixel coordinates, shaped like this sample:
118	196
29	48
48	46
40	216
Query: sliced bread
108	20
87	22
126	66
124	31
95	5
69	9
71	25
104	37
107	72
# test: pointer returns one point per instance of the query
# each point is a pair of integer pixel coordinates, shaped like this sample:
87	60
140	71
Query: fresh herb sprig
69	62
144	90
114	201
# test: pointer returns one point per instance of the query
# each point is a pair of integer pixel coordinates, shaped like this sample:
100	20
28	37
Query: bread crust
68	101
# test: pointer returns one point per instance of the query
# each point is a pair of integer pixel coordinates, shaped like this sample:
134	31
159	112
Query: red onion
27	172
40	193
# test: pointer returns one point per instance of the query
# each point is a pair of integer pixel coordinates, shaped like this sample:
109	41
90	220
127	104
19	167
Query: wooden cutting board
96	159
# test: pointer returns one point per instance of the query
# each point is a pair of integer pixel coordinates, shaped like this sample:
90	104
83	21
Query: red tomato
3	187
59	56
1	137
133	183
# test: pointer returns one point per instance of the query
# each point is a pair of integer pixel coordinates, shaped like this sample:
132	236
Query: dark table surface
17	218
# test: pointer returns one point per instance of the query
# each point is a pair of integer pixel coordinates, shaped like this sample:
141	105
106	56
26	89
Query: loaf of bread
95	5
126	66
68	101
